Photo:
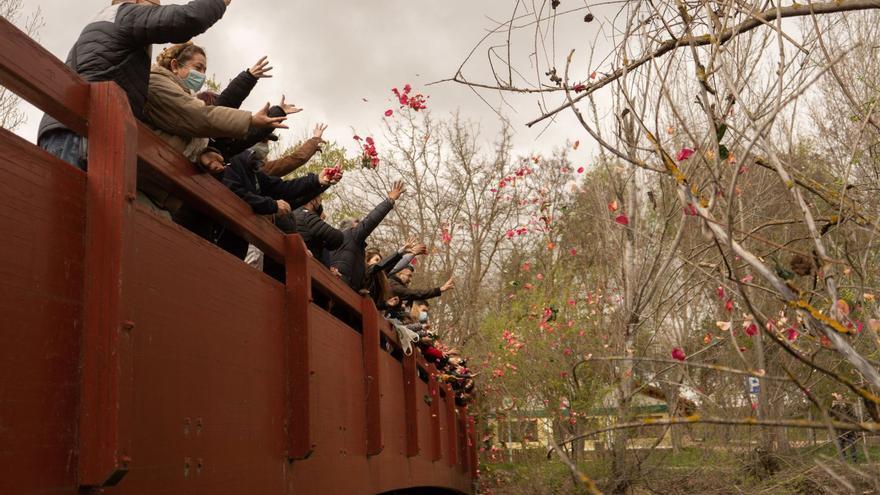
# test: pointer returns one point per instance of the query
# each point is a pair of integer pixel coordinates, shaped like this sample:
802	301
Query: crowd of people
232	145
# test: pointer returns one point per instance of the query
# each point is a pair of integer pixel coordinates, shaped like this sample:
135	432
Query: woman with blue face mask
185	122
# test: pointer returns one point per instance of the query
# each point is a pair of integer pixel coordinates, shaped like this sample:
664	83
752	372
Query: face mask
261	151
195	80
423	317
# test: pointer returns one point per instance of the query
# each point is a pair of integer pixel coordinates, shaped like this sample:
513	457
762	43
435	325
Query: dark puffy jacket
316	233
237	91
261	191
400	290
233	96
349	258
115	46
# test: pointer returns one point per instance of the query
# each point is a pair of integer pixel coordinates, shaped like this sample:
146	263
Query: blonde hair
182	52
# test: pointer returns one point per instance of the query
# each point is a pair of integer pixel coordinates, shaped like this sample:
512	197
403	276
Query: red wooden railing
82	362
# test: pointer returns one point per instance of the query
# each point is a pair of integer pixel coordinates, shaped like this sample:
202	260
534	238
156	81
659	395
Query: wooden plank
30	71
334	286
434	390
371	343
42	216
464	456
165	166
451	436
105	413
472	446
410	405
298	300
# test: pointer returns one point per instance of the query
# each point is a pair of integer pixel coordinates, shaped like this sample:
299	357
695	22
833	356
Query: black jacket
316	233
406	294
233	97
116	45
261	191
237	91
349	258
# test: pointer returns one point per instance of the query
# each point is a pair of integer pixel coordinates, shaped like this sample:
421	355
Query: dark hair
183	53
421	302
370	253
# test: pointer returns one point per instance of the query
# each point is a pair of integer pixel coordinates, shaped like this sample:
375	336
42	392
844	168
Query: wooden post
434	390
105	415
463	450
371	343
451	437
472	445
299	297
410	375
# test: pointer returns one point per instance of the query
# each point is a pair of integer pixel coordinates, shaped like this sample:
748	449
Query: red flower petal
752	330
684	154
622	219
678	354
580	170
389	113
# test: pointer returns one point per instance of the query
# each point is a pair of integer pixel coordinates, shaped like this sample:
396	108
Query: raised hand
289	108
396	190
420	249
262	120
449	285
212	162
330	176
261	69
410	245
319	131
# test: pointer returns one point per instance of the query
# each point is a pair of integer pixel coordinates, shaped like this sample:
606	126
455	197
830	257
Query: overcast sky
331	54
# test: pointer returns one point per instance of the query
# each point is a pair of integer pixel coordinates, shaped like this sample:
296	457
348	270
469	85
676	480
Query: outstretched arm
148	25
375	217
300	156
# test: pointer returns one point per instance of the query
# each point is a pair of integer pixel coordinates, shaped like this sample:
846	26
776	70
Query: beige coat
186	123
180	118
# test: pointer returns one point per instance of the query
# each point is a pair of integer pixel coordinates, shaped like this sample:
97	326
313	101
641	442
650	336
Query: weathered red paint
30	71
298	300
451	423
373	391
130	345
410	406
434	387
106	366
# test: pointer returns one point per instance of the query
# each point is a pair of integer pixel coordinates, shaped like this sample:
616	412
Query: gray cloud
328	55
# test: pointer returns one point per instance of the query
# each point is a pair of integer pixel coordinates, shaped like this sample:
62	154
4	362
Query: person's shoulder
110	13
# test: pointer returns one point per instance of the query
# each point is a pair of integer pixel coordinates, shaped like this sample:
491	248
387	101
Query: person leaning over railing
348	261
308	221
378	269
268	195
400	286
185	122
116	46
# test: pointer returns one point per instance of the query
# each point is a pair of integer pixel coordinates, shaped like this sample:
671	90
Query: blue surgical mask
195	80
423	317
